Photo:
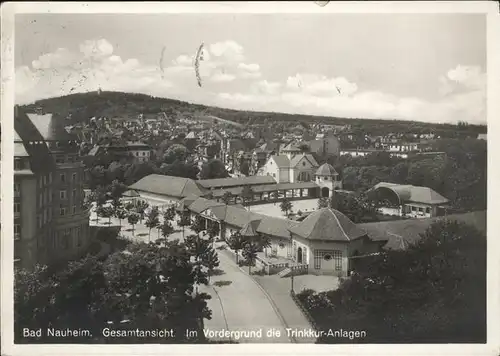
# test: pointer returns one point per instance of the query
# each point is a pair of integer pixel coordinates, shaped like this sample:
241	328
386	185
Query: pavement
238	304
243	306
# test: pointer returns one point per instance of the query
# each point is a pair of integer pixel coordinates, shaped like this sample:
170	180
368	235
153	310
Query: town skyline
442	82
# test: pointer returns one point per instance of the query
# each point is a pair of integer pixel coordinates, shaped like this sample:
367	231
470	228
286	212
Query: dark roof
168	185
401	233
186	202
326	169
274	226
283	186
282	161
35	147
297	158
250	228
131	193
266	188
235	182
328	224
236	216
202	204
50	128
413	193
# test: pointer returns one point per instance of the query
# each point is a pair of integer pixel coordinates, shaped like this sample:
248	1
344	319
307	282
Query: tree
237	242
153	219
323	203
250	250
432	292
117	189
246	195
141	207
213	230
198	249
174	153
198	224
244	168
166	230
286	206
213	169
169	213
211	261
227	197
107	212
303	147
120	212
184	221
133	219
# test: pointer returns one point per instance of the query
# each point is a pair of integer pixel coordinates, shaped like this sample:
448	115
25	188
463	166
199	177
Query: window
74	209
40	182
49	214
17	208
337	256
62	210
44	180
45	216
17	231
40	200
303	164
428	210
18	164
74	194
274	175
63	177
50	177
78	236
51	196
59	159
73	177
62	194
420	209
413	208
320	255
17	189
39	221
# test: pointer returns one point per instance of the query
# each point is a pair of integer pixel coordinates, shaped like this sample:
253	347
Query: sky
425	67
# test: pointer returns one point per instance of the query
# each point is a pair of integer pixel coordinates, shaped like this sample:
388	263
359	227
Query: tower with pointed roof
328	179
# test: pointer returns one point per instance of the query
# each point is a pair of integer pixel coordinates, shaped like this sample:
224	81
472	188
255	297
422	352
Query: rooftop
326	169
167	185
328	224
49	128
401	233
412	193
235	182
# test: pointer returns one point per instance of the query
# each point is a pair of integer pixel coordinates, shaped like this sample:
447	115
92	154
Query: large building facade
50	221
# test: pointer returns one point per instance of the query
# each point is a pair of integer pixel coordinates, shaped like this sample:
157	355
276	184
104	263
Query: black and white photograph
256	173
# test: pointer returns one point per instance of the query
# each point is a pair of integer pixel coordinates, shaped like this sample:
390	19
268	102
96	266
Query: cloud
222	77
230	80
319	95
321	85
96	48
252	68
265	87
230	51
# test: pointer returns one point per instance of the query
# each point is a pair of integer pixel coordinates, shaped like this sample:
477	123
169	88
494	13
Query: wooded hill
82	106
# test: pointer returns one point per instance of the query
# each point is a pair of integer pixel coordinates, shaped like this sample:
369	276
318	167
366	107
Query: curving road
243	306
